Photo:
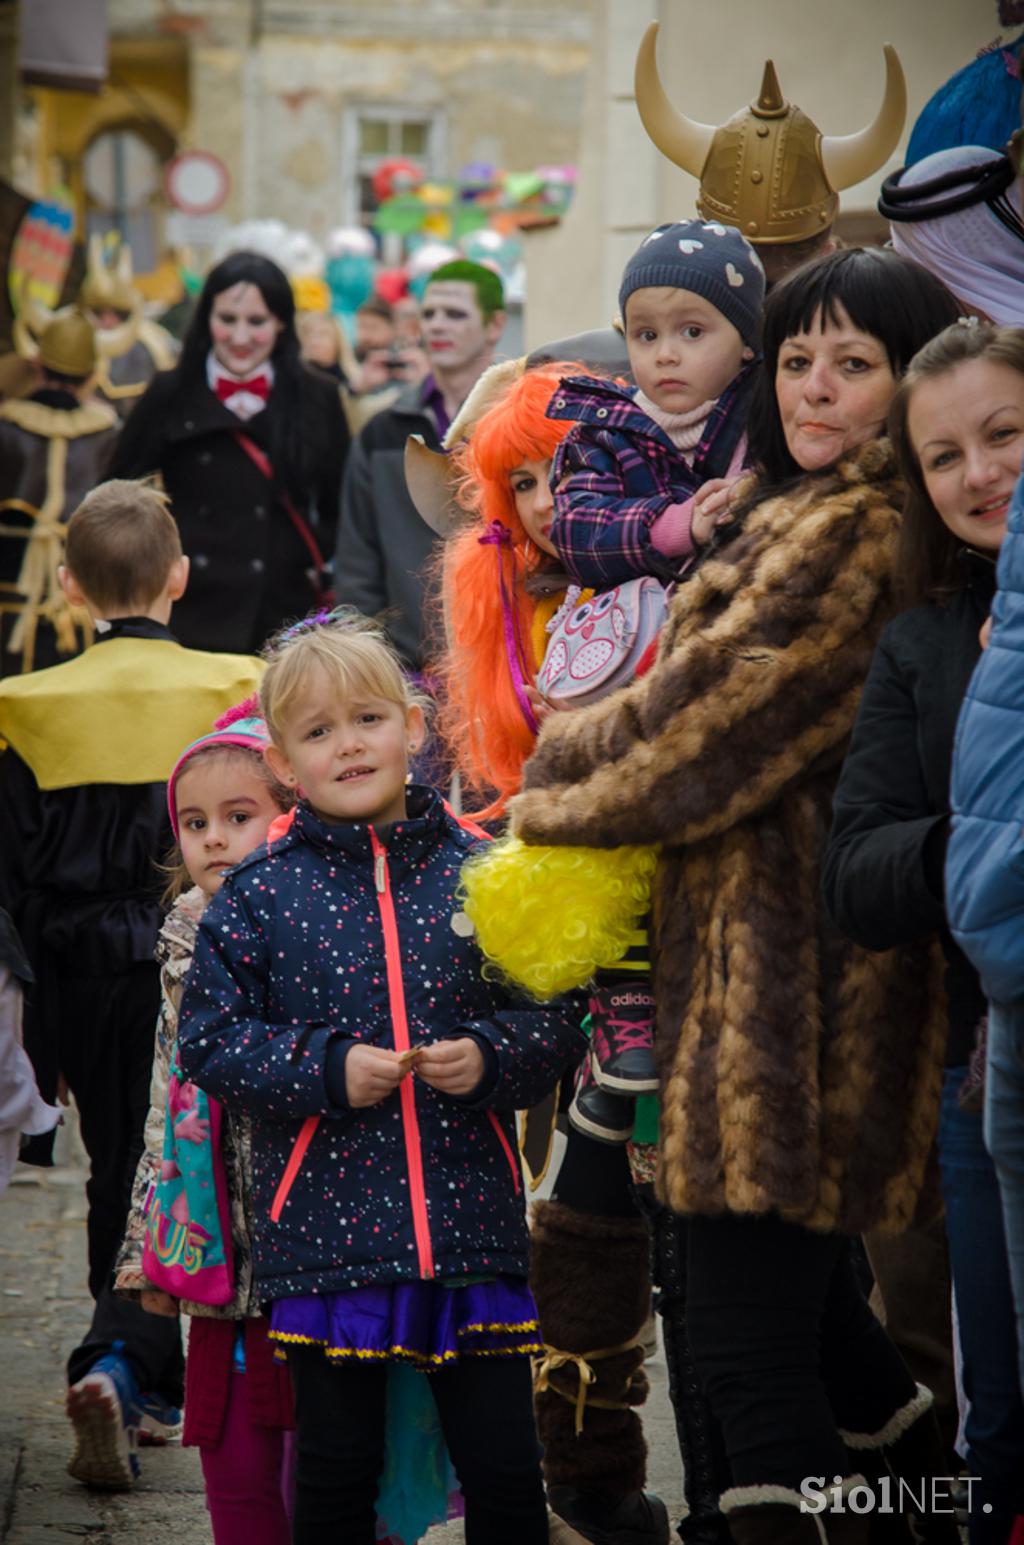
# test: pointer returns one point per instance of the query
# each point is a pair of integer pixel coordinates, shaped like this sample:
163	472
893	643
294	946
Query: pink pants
249	1477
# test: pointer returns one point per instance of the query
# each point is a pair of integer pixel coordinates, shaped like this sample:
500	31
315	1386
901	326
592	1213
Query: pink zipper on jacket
400	1022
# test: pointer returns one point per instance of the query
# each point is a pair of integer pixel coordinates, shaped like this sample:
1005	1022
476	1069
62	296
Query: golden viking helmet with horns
34	319
108	286
769	170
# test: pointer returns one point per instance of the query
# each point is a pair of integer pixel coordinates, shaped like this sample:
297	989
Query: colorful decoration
480	198
42	250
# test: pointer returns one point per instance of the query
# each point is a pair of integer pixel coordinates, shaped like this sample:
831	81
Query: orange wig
482	721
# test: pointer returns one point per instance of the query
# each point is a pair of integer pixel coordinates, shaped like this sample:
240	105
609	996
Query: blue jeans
994	1423
1004	1138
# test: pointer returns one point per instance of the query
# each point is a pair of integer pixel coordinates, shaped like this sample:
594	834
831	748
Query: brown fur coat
799	1074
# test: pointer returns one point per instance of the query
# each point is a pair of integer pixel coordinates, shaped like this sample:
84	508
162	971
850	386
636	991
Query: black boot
590	1277
705	1466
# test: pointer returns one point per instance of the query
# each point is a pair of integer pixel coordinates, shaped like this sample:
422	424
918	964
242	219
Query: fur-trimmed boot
775	1515
591	1278
908	1453
705	1464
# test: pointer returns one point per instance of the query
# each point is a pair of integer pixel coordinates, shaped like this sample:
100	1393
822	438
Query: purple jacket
623	472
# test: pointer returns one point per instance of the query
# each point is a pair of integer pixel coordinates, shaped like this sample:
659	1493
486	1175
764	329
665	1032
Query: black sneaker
639	1519
598	1112
622	1037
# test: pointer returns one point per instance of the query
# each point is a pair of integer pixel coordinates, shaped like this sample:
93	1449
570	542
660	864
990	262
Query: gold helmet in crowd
109	286
769	170
65	335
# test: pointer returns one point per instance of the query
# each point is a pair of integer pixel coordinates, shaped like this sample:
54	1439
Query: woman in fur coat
799	1075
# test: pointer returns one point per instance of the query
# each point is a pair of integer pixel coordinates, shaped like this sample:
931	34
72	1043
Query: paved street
43	1307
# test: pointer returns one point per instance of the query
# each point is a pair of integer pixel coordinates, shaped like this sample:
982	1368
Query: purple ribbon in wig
498	536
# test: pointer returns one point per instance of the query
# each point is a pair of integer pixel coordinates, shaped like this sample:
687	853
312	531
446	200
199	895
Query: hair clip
306	625
326	617
967	322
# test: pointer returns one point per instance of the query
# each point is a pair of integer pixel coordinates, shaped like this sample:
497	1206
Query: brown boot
775	1515
909	1451
591	1279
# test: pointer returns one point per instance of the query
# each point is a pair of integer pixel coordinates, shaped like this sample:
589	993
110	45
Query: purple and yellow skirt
427	1324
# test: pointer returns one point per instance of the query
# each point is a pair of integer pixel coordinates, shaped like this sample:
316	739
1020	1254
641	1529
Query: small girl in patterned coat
642	478
337	997
222	800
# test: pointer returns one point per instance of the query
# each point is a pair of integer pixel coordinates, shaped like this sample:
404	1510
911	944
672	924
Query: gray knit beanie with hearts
711	260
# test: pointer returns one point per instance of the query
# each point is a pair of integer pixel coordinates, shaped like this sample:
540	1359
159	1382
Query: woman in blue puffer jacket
337	997
985	878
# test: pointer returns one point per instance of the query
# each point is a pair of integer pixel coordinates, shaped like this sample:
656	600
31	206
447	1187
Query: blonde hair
349	649
122	542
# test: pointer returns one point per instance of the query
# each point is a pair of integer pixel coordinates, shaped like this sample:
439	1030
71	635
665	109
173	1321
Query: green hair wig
548	918
490	292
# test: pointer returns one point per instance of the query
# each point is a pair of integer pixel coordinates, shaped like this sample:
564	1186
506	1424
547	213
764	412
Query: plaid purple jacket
623	471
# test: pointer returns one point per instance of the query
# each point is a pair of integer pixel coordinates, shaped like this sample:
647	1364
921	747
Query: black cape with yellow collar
83	817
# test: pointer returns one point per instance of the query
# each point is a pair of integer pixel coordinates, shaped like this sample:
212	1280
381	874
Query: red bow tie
228	386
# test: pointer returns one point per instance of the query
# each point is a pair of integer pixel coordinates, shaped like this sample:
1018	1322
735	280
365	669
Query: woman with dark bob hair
251	446
799	1074
957	425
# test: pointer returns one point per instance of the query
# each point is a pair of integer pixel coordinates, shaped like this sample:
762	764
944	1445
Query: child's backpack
187	1249
596	646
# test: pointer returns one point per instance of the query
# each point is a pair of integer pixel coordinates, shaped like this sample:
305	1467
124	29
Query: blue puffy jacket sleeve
532	1047
229	1045
985	862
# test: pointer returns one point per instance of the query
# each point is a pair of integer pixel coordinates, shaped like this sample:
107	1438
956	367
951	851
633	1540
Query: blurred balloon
311	293
350	241
494	250
395	176
485	243
294	251
350	280
424	260
392	284
478	174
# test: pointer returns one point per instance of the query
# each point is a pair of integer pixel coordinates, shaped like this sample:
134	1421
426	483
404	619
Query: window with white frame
381	133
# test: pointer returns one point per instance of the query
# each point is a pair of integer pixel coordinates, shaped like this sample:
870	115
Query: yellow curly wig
548	918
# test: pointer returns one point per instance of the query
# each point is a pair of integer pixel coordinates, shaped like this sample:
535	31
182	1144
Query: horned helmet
769	170
109	286
66	340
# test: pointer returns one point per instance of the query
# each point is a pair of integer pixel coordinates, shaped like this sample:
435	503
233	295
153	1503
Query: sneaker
622	1037
598	1112
103	1408
159	1421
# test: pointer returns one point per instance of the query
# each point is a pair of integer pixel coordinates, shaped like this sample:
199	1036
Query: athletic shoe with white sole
103	1409
622	1037
598	1112
159	1421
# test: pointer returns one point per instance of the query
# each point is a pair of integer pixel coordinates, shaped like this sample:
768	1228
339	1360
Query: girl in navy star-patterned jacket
336	997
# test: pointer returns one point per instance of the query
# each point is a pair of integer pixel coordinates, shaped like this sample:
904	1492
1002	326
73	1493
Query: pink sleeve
670	531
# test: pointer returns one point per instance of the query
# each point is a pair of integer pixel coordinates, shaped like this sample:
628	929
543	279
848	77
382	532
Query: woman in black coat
251	446
957	425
